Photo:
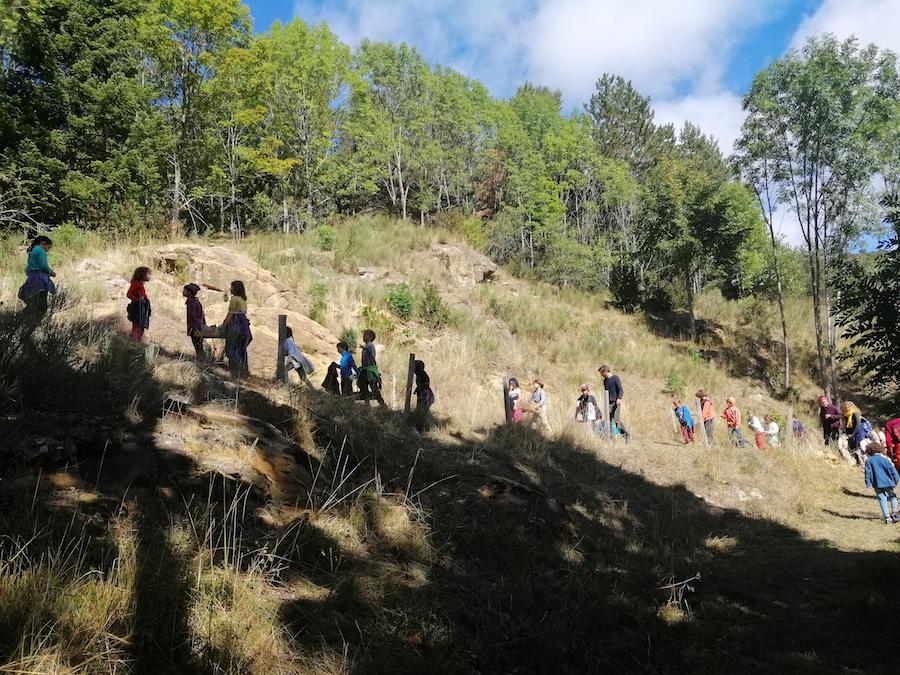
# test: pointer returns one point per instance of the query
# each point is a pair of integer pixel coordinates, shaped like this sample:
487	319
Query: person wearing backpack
857	429
586	406
882	477
685	421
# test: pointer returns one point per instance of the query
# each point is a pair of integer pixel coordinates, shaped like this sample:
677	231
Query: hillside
162	517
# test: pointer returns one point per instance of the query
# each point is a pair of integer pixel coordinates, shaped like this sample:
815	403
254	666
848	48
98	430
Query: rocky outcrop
465	266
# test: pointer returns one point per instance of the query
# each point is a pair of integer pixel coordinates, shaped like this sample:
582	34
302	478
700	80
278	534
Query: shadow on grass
542	558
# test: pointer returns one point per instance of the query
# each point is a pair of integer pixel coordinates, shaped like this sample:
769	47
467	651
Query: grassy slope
470	549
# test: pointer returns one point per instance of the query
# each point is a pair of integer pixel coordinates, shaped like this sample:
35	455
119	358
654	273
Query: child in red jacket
732	417
139	307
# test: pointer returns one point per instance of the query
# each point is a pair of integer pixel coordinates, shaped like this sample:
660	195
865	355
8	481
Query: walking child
295	359
732	417
139	308
38	277
539	406
348	368
707	412
514	394
882	476
685	421
196	319
424	395
757	429
586	407
369	377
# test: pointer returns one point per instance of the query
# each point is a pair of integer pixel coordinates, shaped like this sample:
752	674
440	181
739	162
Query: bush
377	320
326	237
318	305
400	300
349	336
675	385
432	310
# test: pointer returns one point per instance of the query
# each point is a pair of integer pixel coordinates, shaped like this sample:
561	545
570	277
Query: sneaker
896	517
889	521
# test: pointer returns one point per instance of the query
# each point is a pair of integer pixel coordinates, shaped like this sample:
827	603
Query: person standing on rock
707	411
237	330
830	420
196	319
613	385
38	277
139	308
369	376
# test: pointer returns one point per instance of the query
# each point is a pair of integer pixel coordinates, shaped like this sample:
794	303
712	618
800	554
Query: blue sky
694	58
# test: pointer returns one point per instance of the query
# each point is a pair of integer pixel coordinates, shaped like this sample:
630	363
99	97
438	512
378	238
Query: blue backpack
865	427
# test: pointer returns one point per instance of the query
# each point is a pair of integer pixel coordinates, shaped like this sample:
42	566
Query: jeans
615	416
708	425
737	437
883	494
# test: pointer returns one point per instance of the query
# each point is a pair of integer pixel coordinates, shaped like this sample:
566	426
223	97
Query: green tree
813	115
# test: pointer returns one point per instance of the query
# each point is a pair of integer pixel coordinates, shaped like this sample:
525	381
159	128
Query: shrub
675	385
326	237
318	305
349	336
431	309
400	300
377	320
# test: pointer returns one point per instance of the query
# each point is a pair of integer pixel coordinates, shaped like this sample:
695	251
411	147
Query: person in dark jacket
586	408
613	385
424	396
369	376
882	476
196	319
331	383
830	419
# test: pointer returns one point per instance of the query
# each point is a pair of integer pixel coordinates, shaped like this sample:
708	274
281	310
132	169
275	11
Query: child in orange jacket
732	417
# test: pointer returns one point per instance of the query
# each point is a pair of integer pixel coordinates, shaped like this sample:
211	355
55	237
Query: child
139	307
348	368
295	359
514	393
882	476
586	406
369	377
732	417
330	383
38	274
685	420
424	396
759	433
707	412
237	330
196	319
539	406
772	430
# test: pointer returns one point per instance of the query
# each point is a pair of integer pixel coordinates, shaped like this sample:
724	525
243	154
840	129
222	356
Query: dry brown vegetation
269	529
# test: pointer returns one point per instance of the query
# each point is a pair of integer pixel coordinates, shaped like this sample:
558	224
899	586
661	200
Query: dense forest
174	115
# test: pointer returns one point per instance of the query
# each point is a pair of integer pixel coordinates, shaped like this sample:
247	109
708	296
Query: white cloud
657	44
875	21
718	115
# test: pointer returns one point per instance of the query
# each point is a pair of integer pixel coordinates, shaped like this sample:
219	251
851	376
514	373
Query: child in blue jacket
685	421
883	477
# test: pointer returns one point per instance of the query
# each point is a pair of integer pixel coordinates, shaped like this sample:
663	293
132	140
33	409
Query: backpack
865	427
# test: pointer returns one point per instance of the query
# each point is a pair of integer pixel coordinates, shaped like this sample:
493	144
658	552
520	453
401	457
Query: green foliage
676	385
431	308
400	300
318	305
326	237
377	320
349	336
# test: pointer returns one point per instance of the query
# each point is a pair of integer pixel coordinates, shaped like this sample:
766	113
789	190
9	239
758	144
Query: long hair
40	239
237	288
141	274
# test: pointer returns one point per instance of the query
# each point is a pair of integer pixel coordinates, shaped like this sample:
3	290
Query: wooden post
700	422
609	422
280	373
394	392
409	382
507	404
789	432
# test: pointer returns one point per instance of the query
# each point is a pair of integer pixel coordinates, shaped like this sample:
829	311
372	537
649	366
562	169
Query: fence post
394	392
700	421
280	373
789	432
507	404
609	422
409	382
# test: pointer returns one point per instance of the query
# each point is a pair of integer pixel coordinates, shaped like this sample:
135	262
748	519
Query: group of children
765	431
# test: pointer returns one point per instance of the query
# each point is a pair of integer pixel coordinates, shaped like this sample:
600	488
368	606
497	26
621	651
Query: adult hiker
514	394
756	428
586	407
613	385
892	440
685	421
348	369
196	319
830	420
369	376
707	412
857	429
238	335
732	417
38	277
139	308
882	477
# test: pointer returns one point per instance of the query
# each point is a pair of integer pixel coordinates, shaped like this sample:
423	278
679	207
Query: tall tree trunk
832	349
776	266
689	279
815	278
